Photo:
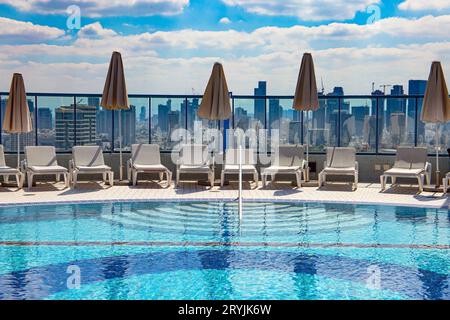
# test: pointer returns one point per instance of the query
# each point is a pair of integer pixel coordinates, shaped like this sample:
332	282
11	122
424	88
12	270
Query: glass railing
371	124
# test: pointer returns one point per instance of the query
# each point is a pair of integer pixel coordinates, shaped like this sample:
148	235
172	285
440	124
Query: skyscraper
65	126
45	119
259	104
417	87
275	112
143	114
163	116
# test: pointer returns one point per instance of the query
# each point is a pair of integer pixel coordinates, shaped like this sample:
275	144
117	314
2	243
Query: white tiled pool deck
151	191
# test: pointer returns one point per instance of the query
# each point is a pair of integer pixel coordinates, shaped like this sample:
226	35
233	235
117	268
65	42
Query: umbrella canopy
17	114
115	96
436	104
216	99
306	97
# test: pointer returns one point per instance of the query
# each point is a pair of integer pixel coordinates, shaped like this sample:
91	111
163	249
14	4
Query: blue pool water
200	250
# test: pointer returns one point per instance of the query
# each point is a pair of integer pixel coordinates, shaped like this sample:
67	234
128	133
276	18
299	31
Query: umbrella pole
438	173
240	181
307	150
18	151
120	146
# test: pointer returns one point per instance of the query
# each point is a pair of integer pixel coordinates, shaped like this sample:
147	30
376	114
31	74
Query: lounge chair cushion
194	168
411	158
88	156
150	168
289	156
48	169
341	158
8	170
280	169
145	154
404	172
41	156
339	170
93	169
235	168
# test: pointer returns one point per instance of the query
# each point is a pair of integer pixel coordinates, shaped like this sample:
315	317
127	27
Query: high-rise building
260	104
396	103
163	116
143	114
417	87
45	119
275	112
85	126
128	124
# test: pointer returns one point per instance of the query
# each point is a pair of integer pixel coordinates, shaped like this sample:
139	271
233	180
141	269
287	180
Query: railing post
36	115
74	120
338	126
149	119
377	125
416	121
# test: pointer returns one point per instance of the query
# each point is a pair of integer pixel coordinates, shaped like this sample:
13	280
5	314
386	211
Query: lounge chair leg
356	180
74	179
169	178
394	180
298	175
222	179
255	177
58	177
30	180
19	180
66	180
420	179
383	186
161	176
6	178
445	184
111	178
134	174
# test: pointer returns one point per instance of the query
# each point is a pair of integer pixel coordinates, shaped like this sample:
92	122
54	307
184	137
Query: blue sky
169	46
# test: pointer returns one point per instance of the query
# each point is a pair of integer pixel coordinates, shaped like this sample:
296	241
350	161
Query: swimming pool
200	250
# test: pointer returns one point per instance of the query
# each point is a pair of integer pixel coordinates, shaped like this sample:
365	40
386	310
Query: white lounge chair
231	165
195	159
145	158
446	182
410	162
6	171
89	160
41	161
290	160
340	161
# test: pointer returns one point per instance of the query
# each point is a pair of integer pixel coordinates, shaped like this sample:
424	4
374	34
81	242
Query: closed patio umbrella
215	103
17	114
306	96
115	96
436	105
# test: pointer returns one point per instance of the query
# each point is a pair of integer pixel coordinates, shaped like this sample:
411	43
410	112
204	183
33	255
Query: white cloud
97	8
19	31
95	30
424	5
225	20
389	51
305	9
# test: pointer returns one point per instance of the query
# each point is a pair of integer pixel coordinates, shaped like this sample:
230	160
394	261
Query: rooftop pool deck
367	193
